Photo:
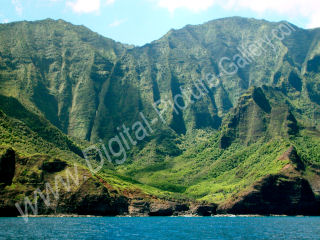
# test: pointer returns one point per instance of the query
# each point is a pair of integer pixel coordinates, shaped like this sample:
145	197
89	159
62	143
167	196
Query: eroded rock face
81	193
139	207
204	210
275	194
159	207
7	167
253	105
259	113
93	198
292	155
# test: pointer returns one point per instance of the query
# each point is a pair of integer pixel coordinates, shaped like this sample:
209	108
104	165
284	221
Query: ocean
161	228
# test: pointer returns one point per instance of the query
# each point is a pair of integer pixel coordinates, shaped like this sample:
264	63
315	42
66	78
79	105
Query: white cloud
308	9
109	2
314	21
5	20
84	6
117	22
18	6
192	5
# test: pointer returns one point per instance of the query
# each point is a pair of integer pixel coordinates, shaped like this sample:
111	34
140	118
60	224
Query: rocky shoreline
216	215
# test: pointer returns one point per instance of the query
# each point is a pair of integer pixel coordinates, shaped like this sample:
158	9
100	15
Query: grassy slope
44	142
206	172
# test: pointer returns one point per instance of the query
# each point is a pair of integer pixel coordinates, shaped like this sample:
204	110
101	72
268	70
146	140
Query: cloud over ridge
309	9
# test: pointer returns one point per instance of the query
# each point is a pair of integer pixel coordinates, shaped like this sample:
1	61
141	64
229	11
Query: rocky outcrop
7	167
248	121
93	198
204	210
292	155
160	207
138	207
260	113
287	192
73	189
275	194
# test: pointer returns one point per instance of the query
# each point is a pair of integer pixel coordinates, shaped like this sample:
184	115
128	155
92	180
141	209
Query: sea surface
161	228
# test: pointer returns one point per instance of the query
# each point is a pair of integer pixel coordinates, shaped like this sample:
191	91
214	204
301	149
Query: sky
141	21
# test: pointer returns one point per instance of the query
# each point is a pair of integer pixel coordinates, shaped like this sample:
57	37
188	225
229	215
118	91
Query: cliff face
261	112
79	80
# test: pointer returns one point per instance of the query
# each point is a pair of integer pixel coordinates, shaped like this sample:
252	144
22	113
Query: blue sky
142	21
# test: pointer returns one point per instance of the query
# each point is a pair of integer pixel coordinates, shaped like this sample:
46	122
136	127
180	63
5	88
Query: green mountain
225	113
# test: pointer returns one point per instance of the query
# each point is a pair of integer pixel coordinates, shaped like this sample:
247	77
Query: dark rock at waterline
205	210
93	198
275	194
183	207
166	208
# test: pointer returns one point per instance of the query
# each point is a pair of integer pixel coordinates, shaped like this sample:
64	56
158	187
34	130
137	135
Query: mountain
225	112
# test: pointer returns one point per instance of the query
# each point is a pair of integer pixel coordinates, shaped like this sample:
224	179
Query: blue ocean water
162	228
